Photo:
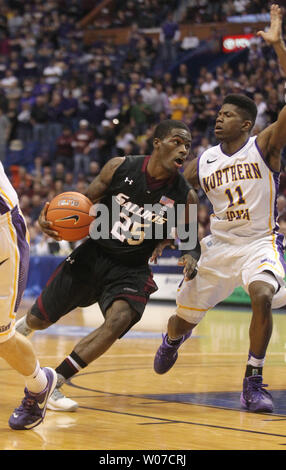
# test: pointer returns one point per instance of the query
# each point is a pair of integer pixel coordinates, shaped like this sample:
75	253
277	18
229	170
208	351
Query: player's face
174	149
229	123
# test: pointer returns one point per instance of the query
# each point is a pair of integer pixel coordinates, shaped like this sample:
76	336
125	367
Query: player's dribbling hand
157	252
189	264
46	226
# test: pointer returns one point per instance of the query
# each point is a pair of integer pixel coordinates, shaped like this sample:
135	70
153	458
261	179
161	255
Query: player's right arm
95	192
188	258
101	182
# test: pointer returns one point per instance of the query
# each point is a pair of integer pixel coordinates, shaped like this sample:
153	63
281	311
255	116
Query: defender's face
229	123
174	149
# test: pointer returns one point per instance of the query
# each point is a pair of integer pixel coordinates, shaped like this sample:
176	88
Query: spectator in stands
10	84
124	137
161	103
140	115
167	80
149	93
169	39
58	186
40	120
113	109
70	108
37	205
209	84
198	99
178	104
182	77
64	149
53	72
97	109
204	145
24	126
5	127
106	142
25	206
261	119
81	145
190	116
56	115
94	169
124	116
30	67
68	182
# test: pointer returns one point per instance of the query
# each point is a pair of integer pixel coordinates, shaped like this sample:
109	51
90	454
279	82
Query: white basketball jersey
8	195
243	191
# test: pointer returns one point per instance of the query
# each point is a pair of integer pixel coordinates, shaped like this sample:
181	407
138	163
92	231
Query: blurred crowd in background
66	108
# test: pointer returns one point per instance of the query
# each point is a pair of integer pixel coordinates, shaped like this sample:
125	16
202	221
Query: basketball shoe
58	402
32	410
167	354
254	397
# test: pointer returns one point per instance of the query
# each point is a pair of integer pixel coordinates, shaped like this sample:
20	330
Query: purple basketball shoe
254	397
32	410
167	354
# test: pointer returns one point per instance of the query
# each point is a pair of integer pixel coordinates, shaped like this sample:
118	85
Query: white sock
255	361
22	327
61	380
36	382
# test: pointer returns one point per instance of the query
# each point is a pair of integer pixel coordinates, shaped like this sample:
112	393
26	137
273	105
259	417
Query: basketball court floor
124	404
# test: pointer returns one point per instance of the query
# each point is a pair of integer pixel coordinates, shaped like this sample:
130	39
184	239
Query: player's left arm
274	36
190	257
272	139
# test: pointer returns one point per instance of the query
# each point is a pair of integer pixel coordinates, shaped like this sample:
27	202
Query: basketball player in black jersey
114	270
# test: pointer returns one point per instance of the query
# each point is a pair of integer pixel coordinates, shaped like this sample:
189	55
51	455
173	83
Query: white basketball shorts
14	263
222	267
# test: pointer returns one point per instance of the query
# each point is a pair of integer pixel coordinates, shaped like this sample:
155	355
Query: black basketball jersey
140	216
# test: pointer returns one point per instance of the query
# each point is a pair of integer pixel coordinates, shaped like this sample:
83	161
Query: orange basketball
69	213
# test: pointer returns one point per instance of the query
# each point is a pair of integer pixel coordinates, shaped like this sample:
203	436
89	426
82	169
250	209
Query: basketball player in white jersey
240	177
15	349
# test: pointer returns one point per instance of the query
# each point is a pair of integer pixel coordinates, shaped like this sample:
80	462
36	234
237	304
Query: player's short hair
245	104
165	127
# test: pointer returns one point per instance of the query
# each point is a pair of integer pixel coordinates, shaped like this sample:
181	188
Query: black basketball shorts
85	278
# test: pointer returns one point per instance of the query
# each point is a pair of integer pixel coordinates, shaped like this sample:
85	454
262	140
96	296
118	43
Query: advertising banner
236	43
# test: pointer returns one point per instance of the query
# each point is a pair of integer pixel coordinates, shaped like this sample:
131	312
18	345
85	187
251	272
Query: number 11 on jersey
241	199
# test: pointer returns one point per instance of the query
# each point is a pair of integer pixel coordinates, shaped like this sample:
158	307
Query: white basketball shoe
58	402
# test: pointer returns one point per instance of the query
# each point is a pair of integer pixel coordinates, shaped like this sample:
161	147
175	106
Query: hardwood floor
124	404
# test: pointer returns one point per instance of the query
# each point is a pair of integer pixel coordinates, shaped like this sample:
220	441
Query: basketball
69	213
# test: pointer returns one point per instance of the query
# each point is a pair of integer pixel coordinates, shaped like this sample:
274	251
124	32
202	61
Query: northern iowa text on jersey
237	172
